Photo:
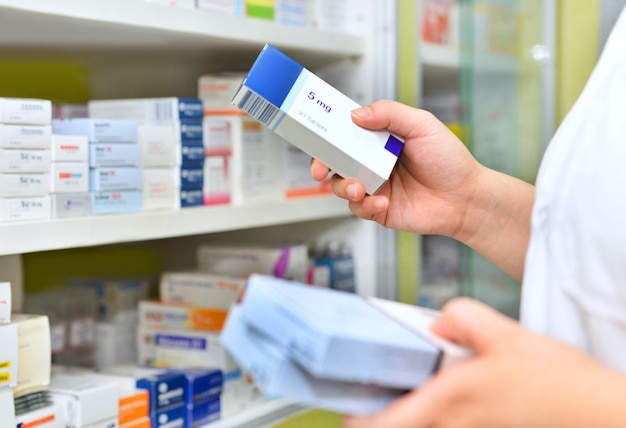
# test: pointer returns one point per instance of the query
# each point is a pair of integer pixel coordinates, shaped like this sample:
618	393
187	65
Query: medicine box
25	136
189	198
176	316
147	110
5	303
26	111
66	205
204	412
52	416
311	114
114	154
27	160
104	131
113	178
278	376
119	202
217	187
216	90
166	390
298	180
160	189
9	359
69	148
69	177
283	261
25	208
338	335
202	384
24	184
201	289
33	333
7	407
87	400
191	176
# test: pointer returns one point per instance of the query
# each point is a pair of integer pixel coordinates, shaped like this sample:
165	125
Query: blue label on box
203	384
165	390
173	417
192	153
190	108
191	176
191	198
191	130
204	412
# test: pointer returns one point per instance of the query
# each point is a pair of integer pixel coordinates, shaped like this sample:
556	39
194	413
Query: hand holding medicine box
312	115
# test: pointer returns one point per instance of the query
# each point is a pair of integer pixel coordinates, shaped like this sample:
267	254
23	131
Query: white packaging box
158	146
216	90
344	336
25	136
86	400
122	202
114	178
217	187
148	110
33	337
116	343
27	160
25	111
52	416
104	131
280	377
107	423
7	408
283	261
183	348
24	185
311	114
69	148
115	154
69	177
226	6
175	316
256	167
160	189
30	208
5	302
201	289
187	4
9	358
66	205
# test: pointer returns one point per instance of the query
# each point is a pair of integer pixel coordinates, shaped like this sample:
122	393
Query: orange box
172	316
134	406
144	422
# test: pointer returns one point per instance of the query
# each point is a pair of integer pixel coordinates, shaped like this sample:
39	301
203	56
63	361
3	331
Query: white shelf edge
33	236
261	415
176	25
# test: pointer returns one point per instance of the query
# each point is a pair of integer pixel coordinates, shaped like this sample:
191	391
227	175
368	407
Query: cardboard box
176	316
34	350
25	136
7	408
66	205
114	178
344	336
202	384
114	154
315	117
5	303
24	185
148	110
103	131
26	160
25	111
30	208
122	202
52	416
160	189
69	148
280	377
69	177
9	357
199	288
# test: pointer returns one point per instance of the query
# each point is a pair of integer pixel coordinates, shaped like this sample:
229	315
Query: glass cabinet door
504	65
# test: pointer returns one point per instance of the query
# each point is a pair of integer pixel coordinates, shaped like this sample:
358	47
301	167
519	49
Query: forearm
497	221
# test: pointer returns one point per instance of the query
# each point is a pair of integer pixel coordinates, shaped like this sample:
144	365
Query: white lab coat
574	286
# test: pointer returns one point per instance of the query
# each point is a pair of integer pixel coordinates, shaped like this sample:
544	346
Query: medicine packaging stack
115	176
69	174
25	141
8	357
158	118
331	349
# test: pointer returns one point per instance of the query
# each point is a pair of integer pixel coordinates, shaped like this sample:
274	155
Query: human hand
517	379
433	181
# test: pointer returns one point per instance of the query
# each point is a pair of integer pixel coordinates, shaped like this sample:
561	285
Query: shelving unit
131	48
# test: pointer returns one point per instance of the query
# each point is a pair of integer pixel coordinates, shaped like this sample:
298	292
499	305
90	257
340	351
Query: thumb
472	324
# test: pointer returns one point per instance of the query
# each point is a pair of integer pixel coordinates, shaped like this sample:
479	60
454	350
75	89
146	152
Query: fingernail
361	112
351	191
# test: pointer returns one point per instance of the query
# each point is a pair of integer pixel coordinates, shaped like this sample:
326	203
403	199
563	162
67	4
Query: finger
473	324
397	118
349	189
319	171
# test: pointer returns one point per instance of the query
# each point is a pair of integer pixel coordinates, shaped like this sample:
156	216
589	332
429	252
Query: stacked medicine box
25	140
115	176
166	125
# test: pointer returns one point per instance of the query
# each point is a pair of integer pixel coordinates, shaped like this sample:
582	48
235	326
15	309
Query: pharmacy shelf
135	25
32	236
263	415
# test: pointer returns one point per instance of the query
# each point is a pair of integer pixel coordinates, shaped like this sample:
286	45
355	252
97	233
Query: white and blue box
25	136
148	110
166	390
124	201
314	116
25	111
98	130
114	154
104	179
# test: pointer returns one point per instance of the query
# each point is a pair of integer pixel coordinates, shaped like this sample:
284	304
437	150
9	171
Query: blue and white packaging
69	177
191	176
204	412
114	178
25	136
278	376
125	201
344	336
191	198
24	185
114	154
147	110
66	205
166	389
314	116
98	130
192	153
202	384
25	111
172	417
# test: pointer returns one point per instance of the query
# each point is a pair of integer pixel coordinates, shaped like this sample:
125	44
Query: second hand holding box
314	116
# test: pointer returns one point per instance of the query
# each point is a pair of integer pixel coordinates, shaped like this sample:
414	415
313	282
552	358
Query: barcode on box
258	108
